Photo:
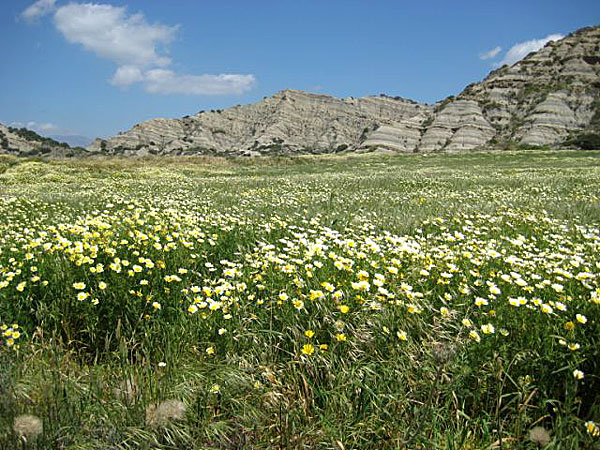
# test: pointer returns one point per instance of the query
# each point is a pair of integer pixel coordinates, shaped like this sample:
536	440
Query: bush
585	141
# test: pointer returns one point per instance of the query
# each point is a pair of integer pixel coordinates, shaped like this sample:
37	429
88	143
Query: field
371	301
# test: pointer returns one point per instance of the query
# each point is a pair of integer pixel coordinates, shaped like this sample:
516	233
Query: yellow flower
298	304
480	301
569	326
214	389
344	309
210	351
80	286
488	329
309	333
578	374
474	335
102	285
308	349
156	305
401	335
340	337
581	318
82	296
324	347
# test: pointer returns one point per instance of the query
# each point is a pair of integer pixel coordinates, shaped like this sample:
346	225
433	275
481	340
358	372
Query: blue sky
95	68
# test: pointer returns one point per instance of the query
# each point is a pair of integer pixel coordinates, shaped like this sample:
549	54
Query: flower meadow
421	301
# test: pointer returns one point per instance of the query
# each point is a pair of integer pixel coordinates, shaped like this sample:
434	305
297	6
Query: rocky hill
550	98
543	100
24	142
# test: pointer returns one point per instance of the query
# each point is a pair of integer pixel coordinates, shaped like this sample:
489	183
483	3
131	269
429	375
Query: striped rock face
543	99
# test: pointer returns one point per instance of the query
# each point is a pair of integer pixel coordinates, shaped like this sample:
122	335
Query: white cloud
491	54
41	128
162	81
126	75
139	50
38	9
110	33
522	49
137	47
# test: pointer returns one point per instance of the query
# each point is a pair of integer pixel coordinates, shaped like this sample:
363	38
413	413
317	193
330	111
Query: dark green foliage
585	141
33	136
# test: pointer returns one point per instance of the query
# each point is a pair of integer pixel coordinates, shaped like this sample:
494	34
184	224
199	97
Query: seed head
28	427
443	353
539	436
159	415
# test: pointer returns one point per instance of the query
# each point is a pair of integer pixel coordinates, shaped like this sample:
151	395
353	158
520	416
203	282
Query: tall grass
439	301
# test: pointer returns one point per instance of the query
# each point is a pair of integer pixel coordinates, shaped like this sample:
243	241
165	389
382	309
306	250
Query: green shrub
585	141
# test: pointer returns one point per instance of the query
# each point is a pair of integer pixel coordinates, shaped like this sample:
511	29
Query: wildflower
215	389
308	349
298	304
309	333
162	364
82	296
222	331
574	347
102	285
581	318
494	290
444	311
210	351
79	286
578	374
344	309
480	302
401	335
488	328
341	337
475	336
156	306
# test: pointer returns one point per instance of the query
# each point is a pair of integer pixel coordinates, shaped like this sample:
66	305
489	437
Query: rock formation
24	142
543	100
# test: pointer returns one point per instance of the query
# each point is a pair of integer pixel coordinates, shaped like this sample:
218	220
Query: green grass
359	301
